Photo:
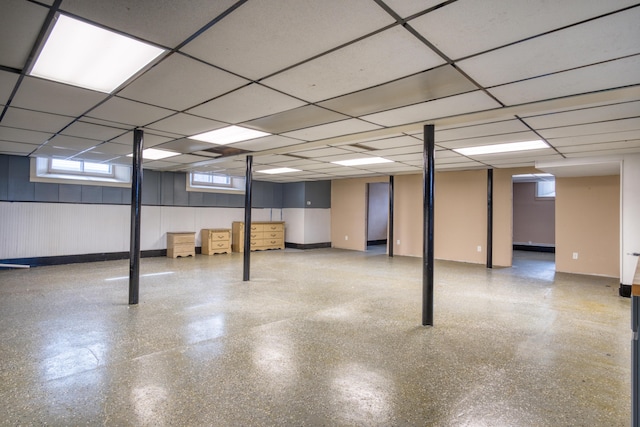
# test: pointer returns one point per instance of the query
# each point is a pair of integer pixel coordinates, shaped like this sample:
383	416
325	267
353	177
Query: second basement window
215	182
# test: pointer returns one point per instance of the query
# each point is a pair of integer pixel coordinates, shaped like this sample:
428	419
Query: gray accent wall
297	194
158	189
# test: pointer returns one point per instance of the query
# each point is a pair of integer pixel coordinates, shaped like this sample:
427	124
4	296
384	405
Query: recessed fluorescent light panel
229	135
362	161
90	57
155	154
279	170
502	148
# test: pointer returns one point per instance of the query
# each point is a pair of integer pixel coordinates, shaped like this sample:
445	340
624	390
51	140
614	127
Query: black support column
247	220
136	205
391	239
490	218
428	225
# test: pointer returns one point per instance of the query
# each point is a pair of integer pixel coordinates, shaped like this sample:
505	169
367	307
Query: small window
72	171
79	167
215	182
546	189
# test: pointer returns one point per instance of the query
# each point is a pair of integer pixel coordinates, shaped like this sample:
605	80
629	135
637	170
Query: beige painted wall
407	198
588	223
348	212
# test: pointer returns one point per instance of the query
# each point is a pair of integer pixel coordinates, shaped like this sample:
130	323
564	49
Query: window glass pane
201	177
221	179
97	167
546	189
67	165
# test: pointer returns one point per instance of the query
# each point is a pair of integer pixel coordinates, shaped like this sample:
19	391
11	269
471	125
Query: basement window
546	189
215	182
64	171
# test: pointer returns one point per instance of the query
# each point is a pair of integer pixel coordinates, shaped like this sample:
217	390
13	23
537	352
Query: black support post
428	225
136	205
391	239
490	218
247	220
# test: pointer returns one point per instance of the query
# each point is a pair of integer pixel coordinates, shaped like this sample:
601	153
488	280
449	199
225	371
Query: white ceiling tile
400	141
593	128
259	39
411	149
33	120
298	118
92	131
343	127
50	97
619	73
94	156
24	136
321	152
487	129
634	143
406	8
160	164
439	82
608	152
20	23
16	148
378	59
112	149
186	145
484	25
603	39
64	141
247	103
453	105
179	83
185	124
7	83
165	22
594	139
148	139
406	157
58	152
187	158
129	112
266	143
585	115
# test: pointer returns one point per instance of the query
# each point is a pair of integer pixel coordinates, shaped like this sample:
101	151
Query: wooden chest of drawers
215	241
264	235
181	244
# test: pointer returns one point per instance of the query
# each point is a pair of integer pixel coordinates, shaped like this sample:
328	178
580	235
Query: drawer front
219	244
273	227
270	235
257	243
221	235
256	235
257	227
180	238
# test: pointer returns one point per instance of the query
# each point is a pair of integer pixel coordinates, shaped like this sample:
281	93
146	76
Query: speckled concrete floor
320	338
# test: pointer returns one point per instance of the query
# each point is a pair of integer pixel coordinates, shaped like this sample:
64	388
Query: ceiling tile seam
587	123
548	32
44	30
334	49
401	20
582	109
539	136
568	70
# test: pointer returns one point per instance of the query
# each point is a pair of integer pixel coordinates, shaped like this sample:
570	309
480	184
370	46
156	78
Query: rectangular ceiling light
155	154
502	148
279	170
91	57
362	161
229	135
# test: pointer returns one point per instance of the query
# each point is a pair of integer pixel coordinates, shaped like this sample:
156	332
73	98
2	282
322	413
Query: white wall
307	226
630	221
53	229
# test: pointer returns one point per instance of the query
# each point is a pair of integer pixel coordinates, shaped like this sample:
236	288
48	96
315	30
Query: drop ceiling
336	80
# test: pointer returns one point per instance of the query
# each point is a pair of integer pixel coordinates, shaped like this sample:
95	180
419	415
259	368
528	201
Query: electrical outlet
575	255
308	202
346	237
479	248
398	241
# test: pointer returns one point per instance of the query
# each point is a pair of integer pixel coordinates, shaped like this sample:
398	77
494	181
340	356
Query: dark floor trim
307	246
75	259
534	248
625	290
376	242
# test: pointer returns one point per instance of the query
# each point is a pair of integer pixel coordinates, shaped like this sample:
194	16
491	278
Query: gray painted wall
158	189
297	194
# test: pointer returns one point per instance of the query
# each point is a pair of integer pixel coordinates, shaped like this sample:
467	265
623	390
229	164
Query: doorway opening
534	224
377	216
